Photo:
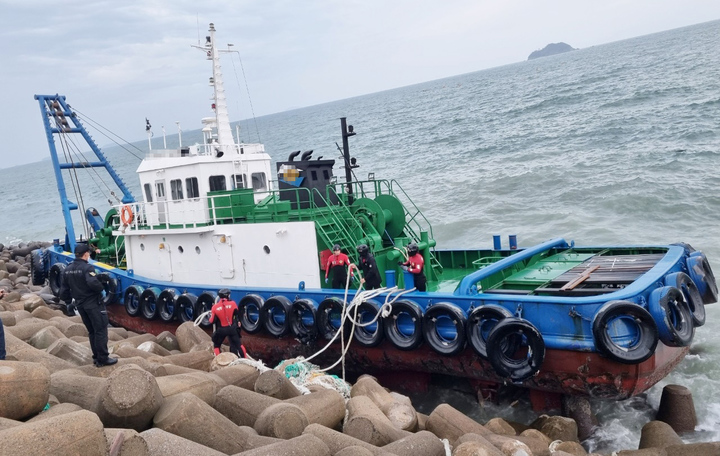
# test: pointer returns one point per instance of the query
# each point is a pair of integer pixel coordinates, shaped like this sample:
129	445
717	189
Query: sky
119	62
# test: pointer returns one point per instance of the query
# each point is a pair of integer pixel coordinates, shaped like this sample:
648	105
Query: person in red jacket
338	262
225	317
414	265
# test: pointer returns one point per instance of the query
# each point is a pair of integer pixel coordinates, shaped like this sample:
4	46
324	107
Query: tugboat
557	318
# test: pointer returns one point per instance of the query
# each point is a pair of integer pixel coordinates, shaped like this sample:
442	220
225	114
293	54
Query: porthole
197	250
266	249
142	247
180	249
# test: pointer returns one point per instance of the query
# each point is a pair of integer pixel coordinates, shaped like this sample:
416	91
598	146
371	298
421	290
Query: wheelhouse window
217	183
259	181
160	189
313	173
191	185
148	193
176	190
238	181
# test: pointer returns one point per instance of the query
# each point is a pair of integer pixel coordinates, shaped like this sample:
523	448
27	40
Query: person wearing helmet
337	263
414	265
225	317
368	266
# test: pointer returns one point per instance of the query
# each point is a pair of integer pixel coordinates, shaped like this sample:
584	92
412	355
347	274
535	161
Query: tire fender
371	335
131	299
250	306
506	338
444	328
480	323
275	315
403	327
672	316
303	321
625	332
690	292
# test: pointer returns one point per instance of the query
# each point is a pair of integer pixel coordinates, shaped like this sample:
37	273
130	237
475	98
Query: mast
224	132
346	133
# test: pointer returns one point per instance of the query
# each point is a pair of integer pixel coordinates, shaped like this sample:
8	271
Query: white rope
200	318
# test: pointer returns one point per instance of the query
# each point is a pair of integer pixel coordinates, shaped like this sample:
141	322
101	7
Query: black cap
81	249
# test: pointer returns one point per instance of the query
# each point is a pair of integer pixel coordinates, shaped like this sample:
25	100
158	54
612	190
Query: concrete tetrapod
368	423
241	375
24	389
326	407
76	433
125	442
337	441
421	443
302	445
448	423
677	408
187	416
196	383
163	443
401	414
130	399
242	406
504	446
274	384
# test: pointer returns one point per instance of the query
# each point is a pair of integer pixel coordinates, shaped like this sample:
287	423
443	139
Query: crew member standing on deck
226	319
80	283
371	275
338	262
414	265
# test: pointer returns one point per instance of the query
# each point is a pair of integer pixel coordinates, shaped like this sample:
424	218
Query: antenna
197	20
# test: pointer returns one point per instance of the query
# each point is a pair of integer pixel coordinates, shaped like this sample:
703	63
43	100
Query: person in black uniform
371	275
80	282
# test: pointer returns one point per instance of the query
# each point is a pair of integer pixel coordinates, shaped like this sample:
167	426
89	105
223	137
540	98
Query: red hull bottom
562	372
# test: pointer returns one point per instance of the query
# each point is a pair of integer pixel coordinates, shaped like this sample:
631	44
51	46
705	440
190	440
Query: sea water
613	144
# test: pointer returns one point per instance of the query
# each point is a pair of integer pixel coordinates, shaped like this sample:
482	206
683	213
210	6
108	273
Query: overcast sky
121	61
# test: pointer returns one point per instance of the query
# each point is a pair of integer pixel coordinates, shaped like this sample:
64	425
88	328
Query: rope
247	89
200	318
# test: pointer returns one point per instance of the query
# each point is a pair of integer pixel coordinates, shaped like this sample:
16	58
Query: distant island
552	49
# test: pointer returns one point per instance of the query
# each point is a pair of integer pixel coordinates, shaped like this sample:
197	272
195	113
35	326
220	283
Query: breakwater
169	394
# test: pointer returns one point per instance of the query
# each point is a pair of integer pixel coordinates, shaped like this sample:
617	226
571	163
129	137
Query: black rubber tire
55	278
250	310
204	303
110	286
328	311
363	335
480	323
300	312
38	262
517	333
167	305
131	299
403	327
690	292
439	313
149	303
672	316
186	307
643	347
700	271
275	315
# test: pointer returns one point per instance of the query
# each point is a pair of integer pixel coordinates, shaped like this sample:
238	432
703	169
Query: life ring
126	215
403	326
302	320
275	315
625	332
55	278
690	292
444	328
203	304
186	307
515	349
370	335
701	273
131	299
672	316
110	286
480	323
148	303
167	304
250	306
329	314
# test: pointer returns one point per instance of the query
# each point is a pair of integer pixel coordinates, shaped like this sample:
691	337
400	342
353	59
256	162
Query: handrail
465	287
